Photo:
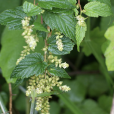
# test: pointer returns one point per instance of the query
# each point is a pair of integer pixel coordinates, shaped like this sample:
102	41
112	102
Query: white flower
39	91
65	65
64	88
59	45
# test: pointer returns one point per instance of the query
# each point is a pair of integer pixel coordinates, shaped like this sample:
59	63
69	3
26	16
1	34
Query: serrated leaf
31	9
40	27
12	18
13	42
102	1
18	82
67	45
95	9
63	11
80	34
49	4
57	71
109	52
32	64
64	23
73	2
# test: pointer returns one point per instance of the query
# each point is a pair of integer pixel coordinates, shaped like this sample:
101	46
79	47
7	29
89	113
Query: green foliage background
90	80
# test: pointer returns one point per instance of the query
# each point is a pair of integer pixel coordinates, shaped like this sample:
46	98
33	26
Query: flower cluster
81	20
42	84
30	39
59	41
58	62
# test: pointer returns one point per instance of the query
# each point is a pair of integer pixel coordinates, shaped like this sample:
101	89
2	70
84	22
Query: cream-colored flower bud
52	61
65	65
64	88
50	57
57	37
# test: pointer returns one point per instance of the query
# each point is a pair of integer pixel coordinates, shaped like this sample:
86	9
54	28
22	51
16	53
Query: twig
10	102
41	20
34	2
80	5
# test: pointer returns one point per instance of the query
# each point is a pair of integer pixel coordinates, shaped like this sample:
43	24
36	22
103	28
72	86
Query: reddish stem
80	5
10	102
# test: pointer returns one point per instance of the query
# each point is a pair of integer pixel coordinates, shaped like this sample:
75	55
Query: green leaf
13	42
4	96
49	4
70	105
102	1
105	102
6	4
63	11
78	90
39	26
54	108
12	18
72	1
91	107
32	64
109	52
95	9
95	39
80	34
31	9
98	85
95	49
20	102
57	71
18	82
67	45
2	105
64	23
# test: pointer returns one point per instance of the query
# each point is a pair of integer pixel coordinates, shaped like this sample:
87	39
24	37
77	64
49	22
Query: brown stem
45	52
79	5
10	102
34	2
41	20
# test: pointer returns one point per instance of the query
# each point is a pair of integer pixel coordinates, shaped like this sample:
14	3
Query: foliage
57	26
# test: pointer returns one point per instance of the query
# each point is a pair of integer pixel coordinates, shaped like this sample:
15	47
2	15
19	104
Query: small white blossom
65	65
64	88
39	91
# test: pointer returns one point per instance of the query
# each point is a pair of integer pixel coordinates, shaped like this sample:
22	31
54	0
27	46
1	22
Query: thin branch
34	2
79	5
41	20
10	102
